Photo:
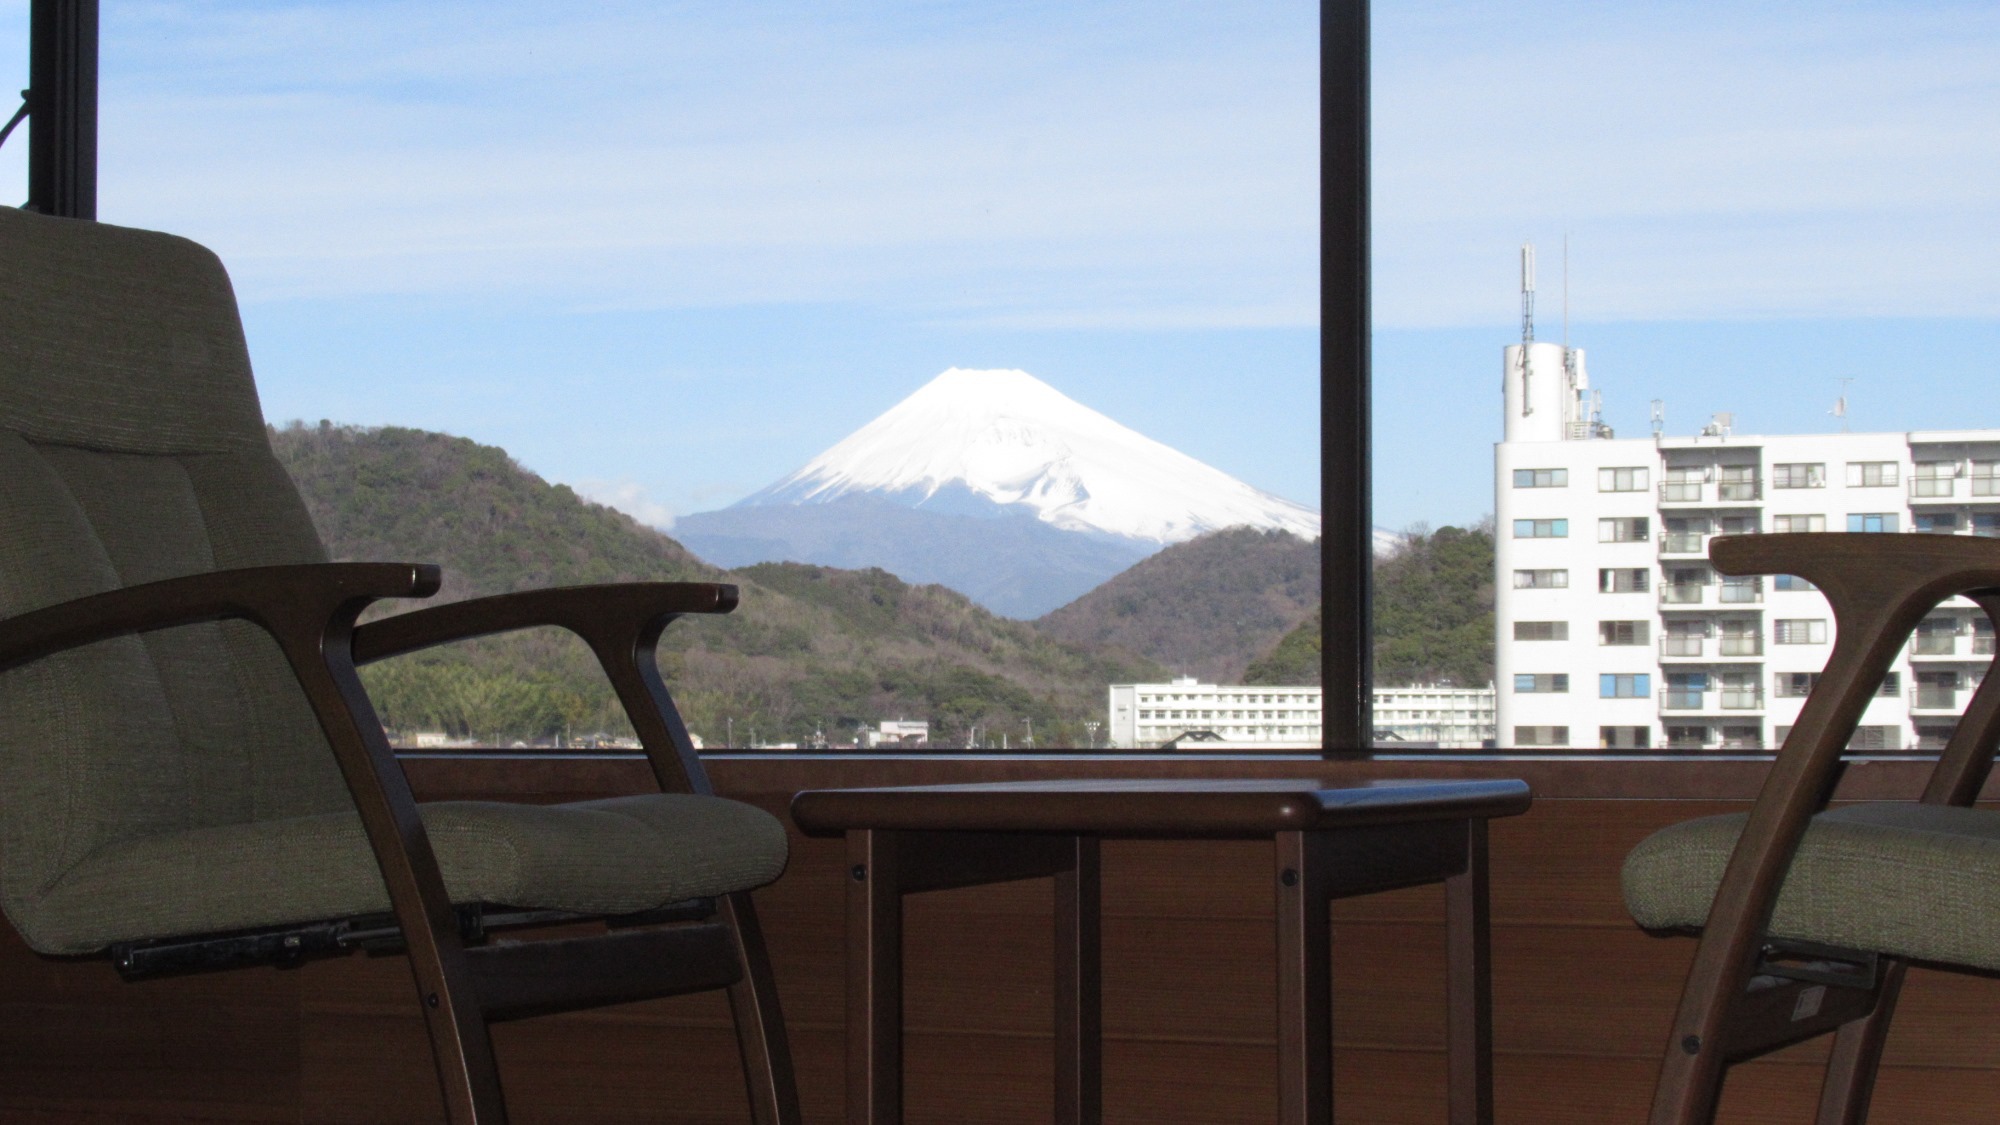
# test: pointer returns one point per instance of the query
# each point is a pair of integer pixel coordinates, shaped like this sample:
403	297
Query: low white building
1207	716
1448	718
905	734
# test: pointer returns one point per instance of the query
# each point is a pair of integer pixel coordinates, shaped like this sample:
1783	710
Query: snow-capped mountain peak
1007	438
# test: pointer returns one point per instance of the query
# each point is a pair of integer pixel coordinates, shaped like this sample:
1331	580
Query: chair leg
1857	1052
760	1024
461	1047
1691	1072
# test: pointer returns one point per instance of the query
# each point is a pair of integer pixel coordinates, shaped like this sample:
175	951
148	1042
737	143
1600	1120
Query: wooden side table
1330	843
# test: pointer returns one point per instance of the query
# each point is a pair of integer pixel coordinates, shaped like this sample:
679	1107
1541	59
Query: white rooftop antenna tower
1659	416
1840	404
1527	293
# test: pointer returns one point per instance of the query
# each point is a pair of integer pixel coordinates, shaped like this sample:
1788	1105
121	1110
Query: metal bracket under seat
375	934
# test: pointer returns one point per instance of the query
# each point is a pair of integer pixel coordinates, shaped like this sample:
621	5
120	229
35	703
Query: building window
1788	524
1935	523
1871	474
1541	580
1541	529
1986	478
1793	685
1790	582
1541	478
1618	685
1622	480
1541	683
1541	630
1624	738
1986	523
1629	529
1799	631
1798	474
1872	521
1622	633
1541	736
1624	580
1892	685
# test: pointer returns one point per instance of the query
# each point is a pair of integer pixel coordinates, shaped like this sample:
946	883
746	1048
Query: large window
569	284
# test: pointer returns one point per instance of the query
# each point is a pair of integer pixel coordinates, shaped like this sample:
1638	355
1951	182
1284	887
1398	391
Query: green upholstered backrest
132	448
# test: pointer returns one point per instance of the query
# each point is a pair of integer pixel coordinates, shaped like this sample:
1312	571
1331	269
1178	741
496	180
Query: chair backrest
132	448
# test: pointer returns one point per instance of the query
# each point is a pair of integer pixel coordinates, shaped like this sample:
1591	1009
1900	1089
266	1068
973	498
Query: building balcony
1932	488
1931	697
1682	595
1681	492
1683	543
1681	646
1934	644
1742	699
1741	593
1982	644
1739	491
1985	486
1751	644
1680	700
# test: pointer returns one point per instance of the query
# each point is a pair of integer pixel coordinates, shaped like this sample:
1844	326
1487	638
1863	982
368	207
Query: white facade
904	733
1613	631
1253	716
1445	717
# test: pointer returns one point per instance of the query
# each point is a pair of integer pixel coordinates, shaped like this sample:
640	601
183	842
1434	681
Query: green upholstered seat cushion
614	856
1920	881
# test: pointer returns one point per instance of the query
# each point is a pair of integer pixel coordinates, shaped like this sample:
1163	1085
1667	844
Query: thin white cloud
630	497
1708	160
1033	162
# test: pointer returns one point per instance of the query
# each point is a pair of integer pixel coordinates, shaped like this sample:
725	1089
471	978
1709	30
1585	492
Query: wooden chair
1808	916
194	776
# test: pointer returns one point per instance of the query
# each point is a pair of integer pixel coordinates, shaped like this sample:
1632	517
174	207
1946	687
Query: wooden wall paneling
1582	997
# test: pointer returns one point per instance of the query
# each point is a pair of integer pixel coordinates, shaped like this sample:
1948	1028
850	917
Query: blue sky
669	251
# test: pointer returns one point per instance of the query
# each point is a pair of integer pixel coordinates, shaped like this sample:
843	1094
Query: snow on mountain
1011	440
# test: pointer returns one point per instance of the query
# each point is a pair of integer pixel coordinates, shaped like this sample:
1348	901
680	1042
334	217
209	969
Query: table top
1164	808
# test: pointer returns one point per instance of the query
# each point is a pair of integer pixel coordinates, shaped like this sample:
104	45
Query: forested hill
1433	617
1203	608
810	649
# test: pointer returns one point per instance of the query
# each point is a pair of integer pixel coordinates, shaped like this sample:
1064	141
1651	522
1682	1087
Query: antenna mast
1840	404
1527	293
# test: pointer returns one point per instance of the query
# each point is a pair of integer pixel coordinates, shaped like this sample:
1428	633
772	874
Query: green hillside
1433	617
810	649
1203	608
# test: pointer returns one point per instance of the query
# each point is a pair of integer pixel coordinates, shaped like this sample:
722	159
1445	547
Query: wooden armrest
282	599
613	613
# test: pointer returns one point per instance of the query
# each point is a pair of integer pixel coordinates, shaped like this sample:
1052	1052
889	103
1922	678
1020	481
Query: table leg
1305	982
1469	986
874	980
1079	1008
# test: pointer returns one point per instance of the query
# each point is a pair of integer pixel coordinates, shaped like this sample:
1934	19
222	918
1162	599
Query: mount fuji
995	484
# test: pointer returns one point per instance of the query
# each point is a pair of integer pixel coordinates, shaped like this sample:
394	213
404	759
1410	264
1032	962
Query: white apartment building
1614	633
1252	716
1448	718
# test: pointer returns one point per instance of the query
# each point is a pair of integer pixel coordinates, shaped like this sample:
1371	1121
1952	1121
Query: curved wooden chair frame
1880	587
311	612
